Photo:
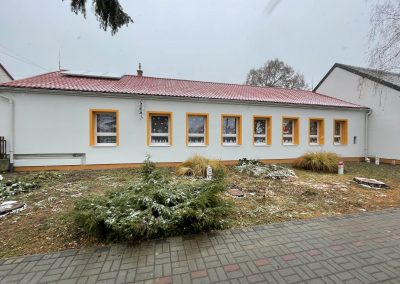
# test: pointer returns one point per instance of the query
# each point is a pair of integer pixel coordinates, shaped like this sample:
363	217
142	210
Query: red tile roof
129	84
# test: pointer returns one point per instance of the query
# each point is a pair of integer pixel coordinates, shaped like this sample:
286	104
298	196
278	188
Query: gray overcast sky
189	39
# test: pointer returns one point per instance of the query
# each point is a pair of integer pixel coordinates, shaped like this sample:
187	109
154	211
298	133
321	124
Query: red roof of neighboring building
130	84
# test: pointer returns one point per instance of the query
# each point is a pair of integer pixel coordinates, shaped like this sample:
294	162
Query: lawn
47	225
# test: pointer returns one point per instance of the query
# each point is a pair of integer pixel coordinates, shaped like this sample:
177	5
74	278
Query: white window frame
105	134
236	135
340	134
314	135
288	135
203	135
160	134
265	135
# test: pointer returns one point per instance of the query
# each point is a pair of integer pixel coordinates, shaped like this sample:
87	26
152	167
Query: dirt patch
47	225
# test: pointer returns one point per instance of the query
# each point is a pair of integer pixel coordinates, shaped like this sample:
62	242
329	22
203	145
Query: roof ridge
220	83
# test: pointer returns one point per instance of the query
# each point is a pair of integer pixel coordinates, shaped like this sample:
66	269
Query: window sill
261	145
313	144
196	145
159	145
337	144
231	145
106	146
291	144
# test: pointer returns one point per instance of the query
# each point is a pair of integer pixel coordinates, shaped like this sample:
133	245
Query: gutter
11	129
367	115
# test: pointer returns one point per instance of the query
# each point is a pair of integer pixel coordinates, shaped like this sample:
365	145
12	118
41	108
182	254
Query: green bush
156	206
318	161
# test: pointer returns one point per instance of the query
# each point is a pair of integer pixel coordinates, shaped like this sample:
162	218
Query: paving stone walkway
359	248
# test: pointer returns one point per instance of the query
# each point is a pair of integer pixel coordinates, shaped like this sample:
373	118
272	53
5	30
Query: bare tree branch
275	73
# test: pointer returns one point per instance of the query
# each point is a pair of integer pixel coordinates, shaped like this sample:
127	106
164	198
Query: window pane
196	124
288	126
107	139
337	140
196	140
159	139
106	123
288	140
259	140
259	126
159	124
314	140
313	127
230	125
337	127
229	140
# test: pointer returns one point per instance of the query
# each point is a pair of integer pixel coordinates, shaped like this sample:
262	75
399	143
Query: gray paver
358	248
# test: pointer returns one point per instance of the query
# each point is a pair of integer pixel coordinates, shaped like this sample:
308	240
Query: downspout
11	129
367	115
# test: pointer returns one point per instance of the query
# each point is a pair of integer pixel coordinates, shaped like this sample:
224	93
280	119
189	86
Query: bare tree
275	73
108	12
384	48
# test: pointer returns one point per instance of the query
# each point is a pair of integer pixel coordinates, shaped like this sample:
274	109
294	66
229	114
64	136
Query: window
290	131
104	127
231	130
159	128
262	130
316	131
196	129
340	132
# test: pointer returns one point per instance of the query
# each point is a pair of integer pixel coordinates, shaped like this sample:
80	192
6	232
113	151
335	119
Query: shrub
197	166
156	206
251	162
318	161
14	187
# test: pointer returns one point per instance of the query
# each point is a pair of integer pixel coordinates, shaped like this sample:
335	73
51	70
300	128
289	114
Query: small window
316	131
290	131
262	130
159	127
197	129
340	132
231	130
104	127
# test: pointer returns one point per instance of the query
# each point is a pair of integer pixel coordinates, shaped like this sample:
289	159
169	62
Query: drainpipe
367	115
11	129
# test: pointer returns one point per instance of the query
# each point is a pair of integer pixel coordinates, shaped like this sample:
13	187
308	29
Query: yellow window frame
92	124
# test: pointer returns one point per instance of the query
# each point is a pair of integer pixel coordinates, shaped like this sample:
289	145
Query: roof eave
174	98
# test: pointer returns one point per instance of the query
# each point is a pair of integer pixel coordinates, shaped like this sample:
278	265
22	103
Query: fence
3	147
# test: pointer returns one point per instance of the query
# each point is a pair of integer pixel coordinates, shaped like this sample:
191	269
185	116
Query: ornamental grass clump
156	206
318	162
197	166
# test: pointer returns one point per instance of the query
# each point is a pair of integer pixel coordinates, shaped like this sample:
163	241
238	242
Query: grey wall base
4	165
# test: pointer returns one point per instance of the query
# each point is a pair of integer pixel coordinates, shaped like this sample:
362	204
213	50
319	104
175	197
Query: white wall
60	124
4	119
4	77
383	130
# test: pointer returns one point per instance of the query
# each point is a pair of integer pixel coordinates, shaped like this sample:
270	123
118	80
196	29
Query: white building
380	91
5	76
66	120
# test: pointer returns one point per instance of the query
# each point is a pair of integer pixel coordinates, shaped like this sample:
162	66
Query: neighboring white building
380	91
5	76
66	120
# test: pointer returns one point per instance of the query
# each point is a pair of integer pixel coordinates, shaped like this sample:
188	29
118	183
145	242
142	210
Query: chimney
140	71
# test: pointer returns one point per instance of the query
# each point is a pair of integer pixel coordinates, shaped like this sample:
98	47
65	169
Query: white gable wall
383	130
60	124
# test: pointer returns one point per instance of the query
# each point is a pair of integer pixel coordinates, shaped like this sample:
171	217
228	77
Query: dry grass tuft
318	162
197	166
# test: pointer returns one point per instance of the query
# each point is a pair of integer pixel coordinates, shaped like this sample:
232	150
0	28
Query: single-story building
379	91
75	120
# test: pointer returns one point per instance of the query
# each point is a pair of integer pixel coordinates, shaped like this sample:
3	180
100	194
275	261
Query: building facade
64	121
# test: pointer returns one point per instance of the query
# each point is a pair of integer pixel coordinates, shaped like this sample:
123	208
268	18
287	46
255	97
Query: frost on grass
257	169
155	206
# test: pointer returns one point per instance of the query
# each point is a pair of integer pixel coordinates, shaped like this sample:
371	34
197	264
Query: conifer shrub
197	166
322	161
156	206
